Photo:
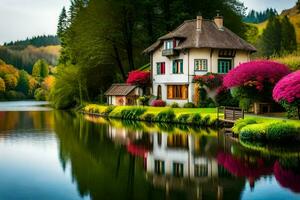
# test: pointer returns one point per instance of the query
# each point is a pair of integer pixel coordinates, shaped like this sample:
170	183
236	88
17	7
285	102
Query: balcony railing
169	52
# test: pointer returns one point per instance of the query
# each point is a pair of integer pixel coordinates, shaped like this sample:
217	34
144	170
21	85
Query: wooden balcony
169	52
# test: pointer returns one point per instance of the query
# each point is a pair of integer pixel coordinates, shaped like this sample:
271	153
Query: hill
292	13
24	53
38	41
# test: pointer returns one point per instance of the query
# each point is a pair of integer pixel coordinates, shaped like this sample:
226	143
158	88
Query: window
161	68
201	170
177	92
169	44
178	169
224	66
200	64
159	167
227	53
178	67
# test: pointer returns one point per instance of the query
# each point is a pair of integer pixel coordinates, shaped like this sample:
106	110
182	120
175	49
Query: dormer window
169	44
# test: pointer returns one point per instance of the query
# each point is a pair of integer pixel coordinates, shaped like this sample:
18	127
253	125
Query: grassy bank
192	116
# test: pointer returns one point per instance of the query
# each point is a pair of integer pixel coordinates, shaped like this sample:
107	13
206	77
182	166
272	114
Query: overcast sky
26	18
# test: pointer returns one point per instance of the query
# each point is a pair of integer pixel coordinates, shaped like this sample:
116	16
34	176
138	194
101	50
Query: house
196	47
123	94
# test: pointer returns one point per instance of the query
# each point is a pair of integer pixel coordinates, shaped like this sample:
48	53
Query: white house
196	47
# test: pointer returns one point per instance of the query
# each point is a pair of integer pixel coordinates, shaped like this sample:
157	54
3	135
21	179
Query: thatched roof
120	90
209	37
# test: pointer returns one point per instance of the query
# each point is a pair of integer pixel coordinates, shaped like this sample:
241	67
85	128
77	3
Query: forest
103	40
24	53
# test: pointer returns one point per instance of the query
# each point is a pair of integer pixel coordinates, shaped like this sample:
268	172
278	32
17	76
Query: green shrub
241	123
40	94
253	132
189	105
183	118
149	117
166	116
174	105
210	103
132	113
195	119
144	100
281	131
205	121
108	110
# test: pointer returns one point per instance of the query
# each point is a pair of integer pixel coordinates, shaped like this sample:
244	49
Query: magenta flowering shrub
138	78
287	93
158	103
256	74
288	88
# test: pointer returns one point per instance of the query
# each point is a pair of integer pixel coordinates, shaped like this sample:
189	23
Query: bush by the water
281	132
166	116
267	132
132	113
183	118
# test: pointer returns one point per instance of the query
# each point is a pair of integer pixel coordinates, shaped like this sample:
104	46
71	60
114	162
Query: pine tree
288	36
62	23
271	38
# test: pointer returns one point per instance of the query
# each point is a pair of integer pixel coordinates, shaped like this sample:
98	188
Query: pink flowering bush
256	74
138	78
287	93
254	81
158	103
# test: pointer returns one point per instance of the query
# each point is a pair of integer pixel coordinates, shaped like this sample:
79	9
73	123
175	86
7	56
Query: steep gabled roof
120	90
209	37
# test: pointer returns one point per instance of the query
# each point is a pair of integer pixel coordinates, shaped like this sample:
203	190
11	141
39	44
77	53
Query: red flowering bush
138	78
287	92
254	81
210	80
158	103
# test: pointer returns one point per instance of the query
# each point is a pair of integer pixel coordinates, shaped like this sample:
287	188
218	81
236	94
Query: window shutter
163	68
157	68
181	66
184	91
170	92
174	67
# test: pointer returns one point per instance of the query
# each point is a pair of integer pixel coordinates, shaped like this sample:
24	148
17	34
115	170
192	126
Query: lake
48	154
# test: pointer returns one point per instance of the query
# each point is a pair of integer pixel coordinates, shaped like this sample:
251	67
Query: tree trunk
119	62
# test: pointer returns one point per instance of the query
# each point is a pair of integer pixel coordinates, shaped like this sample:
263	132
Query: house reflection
185	162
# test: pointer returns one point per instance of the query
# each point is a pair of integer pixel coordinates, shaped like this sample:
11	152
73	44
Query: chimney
219	21
199	22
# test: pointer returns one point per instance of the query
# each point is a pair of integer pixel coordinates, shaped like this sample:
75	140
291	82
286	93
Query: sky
20	19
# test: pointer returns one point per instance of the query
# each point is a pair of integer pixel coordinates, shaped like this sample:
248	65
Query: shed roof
120	90
210	36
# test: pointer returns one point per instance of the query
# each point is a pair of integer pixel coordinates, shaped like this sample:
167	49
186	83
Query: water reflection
96	158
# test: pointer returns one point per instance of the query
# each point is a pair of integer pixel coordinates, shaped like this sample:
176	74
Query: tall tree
288	36
271	38
23	84
62	23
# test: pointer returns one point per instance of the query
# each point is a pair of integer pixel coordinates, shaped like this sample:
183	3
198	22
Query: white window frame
203	64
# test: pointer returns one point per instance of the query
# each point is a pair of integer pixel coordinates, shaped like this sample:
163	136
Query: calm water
48	154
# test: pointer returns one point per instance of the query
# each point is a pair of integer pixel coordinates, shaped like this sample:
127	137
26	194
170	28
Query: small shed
123	94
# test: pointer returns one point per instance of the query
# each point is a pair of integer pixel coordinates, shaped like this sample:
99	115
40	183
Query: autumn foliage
140	78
